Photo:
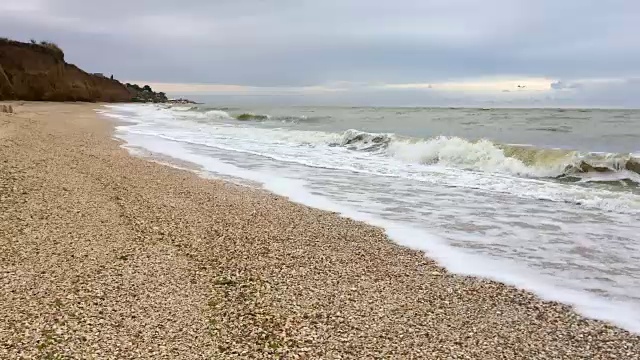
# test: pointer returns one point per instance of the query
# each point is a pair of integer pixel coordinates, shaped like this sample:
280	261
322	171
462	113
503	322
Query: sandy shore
103	255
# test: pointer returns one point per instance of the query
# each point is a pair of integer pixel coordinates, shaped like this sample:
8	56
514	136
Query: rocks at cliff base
181	101
145	94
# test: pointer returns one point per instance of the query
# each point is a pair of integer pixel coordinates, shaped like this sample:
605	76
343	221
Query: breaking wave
226	113
454	152
252	116
219	114
487	156
291	119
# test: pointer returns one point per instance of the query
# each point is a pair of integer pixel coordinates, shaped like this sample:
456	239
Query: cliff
38	72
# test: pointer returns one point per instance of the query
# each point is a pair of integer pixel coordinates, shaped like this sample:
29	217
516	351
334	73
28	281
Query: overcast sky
442	52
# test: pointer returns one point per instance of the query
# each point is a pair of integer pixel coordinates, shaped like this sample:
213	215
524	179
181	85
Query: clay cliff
38	72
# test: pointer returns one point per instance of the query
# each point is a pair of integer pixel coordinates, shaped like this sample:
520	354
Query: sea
547	200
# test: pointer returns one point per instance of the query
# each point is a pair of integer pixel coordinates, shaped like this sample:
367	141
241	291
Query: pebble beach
107	256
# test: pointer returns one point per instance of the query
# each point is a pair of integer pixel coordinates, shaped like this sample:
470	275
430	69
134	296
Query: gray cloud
304	43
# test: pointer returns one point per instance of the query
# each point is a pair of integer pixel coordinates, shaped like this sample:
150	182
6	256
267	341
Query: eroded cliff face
35	72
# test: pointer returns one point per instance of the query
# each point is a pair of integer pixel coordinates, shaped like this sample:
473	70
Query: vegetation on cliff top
52	46
45	45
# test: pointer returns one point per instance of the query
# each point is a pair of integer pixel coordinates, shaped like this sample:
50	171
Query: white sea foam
311	148
181	108
455	260
426	201
215	114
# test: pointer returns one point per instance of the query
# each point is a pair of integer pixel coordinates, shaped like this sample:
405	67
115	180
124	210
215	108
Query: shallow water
557	214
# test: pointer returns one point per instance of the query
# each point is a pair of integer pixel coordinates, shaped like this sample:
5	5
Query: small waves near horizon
546	200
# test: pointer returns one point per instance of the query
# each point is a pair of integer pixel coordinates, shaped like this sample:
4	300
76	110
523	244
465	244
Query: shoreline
457	260
220	268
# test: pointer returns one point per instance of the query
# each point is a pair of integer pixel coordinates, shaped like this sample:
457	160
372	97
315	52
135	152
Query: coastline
112	255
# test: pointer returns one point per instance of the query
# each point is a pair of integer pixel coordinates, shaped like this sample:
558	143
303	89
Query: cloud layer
358	45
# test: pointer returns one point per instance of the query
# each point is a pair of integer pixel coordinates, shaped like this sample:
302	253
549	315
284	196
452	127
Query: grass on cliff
51	45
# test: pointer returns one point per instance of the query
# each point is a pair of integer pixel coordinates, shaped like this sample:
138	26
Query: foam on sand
455	260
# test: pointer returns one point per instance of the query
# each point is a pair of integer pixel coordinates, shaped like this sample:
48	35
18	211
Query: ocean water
547	200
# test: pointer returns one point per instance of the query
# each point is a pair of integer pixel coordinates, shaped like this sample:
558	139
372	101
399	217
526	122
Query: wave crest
487	156
360	140
252	116
217	114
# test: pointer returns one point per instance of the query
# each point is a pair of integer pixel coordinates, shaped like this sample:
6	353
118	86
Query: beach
106	255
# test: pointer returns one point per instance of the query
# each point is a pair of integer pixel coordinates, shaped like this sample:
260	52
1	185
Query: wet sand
104	255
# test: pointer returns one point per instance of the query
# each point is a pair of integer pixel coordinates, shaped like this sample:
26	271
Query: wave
252	116
291	119
562	129
297	119
225	113
203	115
487	156
217	114
454	152
360	140
197	108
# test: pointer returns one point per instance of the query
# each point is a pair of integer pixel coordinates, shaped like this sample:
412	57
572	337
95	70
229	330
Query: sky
358	52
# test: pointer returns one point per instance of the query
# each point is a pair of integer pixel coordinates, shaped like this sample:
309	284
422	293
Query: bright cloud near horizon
373	52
